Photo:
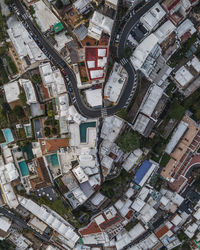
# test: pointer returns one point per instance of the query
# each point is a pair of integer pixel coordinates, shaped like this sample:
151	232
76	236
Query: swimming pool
28	130
53	159
8	135
83	130
23	168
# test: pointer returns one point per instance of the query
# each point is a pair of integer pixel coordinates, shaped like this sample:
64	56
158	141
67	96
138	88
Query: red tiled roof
92	228
162	231
108	223
52	145
129	214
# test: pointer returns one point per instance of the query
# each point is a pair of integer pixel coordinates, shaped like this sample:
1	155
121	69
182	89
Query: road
56	59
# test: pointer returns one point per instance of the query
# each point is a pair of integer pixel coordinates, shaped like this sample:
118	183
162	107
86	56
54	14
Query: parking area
47	192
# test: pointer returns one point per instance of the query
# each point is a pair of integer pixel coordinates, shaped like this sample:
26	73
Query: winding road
56	59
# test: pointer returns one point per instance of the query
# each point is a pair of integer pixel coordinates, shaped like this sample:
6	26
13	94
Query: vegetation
131	224
36	78
122	113
128	141
84	79
113	189
2	27
3	117
49	109
21	133
47	131
176	110
19	112
31	10
5	244
128	51
22	98
156	181
54	131
192	103
56	205
164	160
180	54
59	4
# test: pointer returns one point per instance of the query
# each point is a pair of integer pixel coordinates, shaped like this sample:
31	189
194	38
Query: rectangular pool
23	168
83	130
28	130
8	135
53	160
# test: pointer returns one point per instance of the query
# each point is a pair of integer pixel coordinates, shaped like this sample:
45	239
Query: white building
52	80
145	55
115	83
94	97
152	17
29	90
98	24
186	26
132	159
80	175
25	46
82	6
12	91
112	4
52	219
5	224
111	128
164	31
63	103
44	16
8	173
176	136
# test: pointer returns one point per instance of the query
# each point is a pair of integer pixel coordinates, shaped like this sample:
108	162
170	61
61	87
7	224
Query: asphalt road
58	61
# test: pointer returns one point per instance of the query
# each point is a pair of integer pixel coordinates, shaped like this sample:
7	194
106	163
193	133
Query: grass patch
21	133
176	111
165	159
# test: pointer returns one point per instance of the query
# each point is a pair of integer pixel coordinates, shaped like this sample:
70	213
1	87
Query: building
152	105
94	97
52	80
52	145
112	4
185	30
25	51
29	91
82	6
152	18
5	224
12	91
99	24
145	55
52	219
144	172
8	173
44	16
181	148
176	9
115	83
132	159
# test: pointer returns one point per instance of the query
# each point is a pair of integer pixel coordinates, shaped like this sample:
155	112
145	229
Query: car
70	89
64	73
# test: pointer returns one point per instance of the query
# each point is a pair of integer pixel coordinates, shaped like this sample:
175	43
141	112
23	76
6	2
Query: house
52	145
5	224
112	4
29	91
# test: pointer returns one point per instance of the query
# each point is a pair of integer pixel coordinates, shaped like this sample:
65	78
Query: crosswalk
103	112
73	99
123	61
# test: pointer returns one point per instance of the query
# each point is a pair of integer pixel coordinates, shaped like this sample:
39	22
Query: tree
128	141
47	131
18	110
36	78
122	113
59	4
128	51
22	98
54	131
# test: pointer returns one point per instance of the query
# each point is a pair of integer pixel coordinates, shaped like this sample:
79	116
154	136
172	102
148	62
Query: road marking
103	112
123	61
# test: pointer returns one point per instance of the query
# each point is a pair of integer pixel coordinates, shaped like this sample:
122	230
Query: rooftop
52	145
12	91
94	97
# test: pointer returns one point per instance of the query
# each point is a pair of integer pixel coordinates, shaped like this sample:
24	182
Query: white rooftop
183	76
152	17
5	223
132	159
147	213
94	97
29	90
80	174
154	95
186	26
176	136
44	16
141	123
97	73
164	31
143	50
12	91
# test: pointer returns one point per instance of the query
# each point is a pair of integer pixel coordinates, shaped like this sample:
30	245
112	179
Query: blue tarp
142	171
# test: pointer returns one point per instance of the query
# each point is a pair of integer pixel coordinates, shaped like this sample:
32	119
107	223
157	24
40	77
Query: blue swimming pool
83	130
23	168
53	160
8	135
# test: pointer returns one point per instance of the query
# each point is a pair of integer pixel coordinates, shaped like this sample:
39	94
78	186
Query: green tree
122	113
59	4
128	141
128	51
47	131
18	110
31	10
36	78
22	98
54	131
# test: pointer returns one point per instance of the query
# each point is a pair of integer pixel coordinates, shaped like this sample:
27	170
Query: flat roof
94	97
143	169
12	91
